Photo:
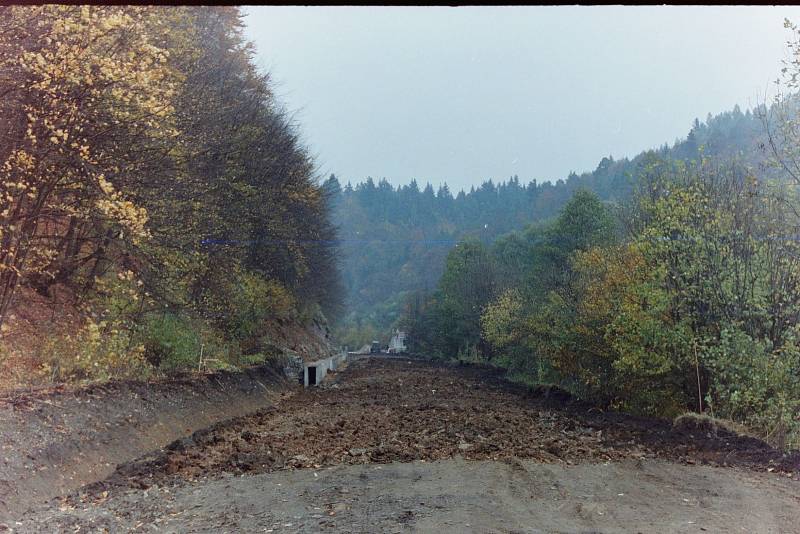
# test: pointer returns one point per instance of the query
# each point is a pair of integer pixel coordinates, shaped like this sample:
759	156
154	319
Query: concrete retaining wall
312	377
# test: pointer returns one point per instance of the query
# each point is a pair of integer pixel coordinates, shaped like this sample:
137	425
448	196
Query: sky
461	95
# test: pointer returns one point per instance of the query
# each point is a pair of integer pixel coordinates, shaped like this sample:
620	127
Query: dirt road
401	445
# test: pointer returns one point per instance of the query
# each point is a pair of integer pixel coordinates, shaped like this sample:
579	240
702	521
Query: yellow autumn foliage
84	86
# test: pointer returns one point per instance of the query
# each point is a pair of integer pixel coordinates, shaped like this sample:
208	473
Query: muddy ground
397	445
53	441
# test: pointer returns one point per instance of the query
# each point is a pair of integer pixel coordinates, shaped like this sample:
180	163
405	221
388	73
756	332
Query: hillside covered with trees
681	295
159	213
394	240
156	202
200	330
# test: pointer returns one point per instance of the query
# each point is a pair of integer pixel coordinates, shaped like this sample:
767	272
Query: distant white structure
397	343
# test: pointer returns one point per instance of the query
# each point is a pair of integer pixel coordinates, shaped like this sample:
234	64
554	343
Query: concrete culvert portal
312	375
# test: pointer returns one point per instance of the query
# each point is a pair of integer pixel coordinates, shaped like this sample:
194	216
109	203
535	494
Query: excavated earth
393	445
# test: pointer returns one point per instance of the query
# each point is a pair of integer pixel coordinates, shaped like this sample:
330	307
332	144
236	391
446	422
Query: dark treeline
681	295
395	240
685	298
152	181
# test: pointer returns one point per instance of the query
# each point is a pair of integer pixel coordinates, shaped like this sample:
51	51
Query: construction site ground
404	445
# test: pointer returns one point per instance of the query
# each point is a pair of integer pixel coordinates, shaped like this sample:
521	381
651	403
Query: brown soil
33	322
56	440
417	422
456	495
403	410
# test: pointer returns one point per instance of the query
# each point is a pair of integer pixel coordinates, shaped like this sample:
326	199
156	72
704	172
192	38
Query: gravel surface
456	495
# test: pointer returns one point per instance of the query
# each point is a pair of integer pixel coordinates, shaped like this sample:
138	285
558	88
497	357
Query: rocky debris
402	410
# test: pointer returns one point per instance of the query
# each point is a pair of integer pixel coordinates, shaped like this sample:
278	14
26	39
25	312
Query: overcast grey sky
465	94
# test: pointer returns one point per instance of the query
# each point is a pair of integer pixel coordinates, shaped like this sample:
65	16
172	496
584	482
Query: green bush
171	342
756	385
696	310
254	300
104	346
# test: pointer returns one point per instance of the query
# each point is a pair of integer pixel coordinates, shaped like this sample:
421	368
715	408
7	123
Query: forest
157	201
681	296
160	208
212	319
394	240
